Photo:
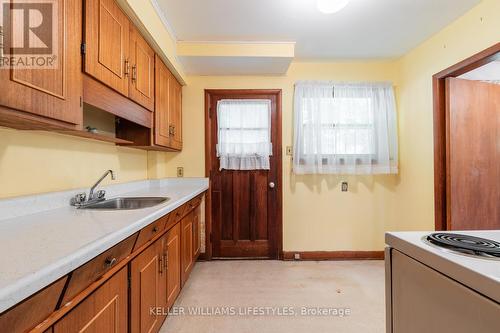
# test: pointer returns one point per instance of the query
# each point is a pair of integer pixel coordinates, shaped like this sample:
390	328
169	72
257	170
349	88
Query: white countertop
40	247
481	275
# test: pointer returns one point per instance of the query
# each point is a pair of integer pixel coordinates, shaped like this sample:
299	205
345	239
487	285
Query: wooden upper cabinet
107	37
168	108
173	263
147	281
175	118
52	93
142	62
163	80
104	311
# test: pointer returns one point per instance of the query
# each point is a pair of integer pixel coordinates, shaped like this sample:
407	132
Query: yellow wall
36	162
317	215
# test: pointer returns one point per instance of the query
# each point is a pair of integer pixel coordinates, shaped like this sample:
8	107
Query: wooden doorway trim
209	93
441	146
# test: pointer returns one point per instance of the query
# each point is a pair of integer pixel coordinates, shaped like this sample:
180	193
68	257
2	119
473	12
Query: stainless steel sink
126	203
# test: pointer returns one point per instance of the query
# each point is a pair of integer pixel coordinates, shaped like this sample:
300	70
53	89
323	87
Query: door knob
271	185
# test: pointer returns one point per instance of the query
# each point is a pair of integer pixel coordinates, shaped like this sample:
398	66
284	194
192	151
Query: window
345	128
244	134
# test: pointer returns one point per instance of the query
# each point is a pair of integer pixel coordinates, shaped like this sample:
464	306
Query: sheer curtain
345	128
244	134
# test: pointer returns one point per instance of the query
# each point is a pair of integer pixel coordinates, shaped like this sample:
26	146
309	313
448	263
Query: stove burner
466	244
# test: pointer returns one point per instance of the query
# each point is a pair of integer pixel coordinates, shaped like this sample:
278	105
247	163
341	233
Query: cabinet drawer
83	276
146	234
31	312
192	204
175	216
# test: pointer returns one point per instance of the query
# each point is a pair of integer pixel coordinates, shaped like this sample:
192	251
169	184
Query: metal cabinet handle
155	229
272	185
134	73
110	262
127	67
165	260
161	264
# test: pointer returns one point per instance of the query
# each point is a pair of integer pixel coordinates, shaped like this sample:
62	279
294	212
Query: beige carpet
274	296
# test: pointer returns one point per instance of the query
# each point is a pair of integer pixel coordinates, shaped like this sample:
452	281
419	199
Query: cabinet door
52	93
146	278
196	232
173	255
105	310
175	114
142	61
107	44
163	79
187	246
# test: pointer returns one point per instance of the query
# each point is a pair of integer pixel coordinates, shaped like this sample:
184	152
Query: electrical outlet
345	186
180	172
289	150
296	256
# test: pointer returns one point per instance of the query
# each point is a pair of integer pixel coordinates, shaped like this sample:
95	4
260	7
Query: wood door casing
107	37
142	62
440	126
245	214
52	93
473	161
146	277
104	311
173	246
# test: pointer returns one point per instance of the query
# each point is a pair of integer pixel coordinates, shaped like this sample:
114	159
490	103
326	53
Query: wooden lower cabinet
186	247
148	280
173	260
196	232
105	310
135	299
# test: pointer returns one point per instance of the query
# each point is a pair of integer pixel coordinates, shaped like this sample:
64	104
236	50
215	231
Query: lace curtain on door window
244	134
345	128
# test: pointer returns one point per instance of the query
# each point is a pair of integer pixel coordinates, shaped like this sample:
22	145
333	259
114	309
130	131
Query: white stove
436	276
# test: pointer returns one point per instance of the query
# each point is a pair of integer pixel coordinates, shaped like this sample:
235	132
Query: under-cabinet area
127	288
104	62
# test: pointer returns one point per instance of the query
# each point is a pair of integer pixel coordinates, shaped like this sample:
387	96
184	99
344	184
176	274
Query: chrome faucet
80	200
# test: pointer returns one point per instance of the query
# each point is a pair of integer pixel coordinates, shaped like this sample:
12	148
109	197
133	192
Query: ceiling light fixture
331	6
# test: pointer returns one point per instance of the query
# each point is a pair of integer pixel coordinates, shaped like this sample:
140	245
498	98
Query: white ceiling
488	72
364	29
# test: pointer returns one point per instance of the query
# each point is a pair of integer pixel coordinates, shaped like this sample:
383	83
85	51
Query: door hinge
83	48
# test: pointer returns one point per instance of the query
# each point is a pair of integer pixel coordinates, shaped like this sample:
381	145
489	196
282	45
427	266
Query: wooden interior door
53	93
245	205
142	60
473	161
173	257
104	311
146	279
107	44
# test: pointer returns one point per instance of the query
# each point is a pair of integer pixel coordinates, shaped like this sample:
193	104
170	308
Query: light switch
345	186
289	150
180	172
